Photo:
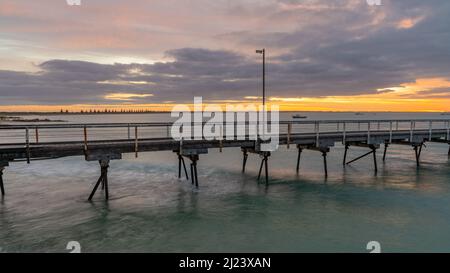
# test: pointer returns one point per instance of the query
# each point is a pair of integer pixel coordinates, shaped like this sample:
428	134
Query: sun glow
407	97
126	96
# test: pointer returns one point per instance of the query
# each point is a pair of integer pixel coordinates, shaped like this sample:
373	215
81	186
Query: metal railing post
289	134
85	139
27	142
221	138
136	141
390	132
431	130
36	134
181	145
317	133
368	132
344	133
448	130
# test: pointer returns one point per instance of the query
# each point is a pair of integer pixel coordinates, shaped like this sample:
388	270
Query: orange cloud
126	96
408	22
403	98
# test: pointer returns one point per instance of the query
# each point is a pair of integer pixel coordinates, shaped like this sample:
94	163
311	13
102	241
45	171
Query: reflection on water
402	207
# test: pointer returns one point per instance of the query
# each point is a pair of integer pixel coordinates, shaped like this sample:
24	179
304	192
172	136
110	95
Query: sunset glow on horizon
152	56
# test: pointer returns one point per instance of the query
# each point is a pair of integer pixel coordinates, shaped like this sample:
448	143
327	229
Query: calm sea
403	208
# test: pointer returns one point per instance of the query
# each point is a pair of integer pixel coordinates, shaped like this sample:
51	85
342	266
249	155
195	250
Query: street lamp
263	52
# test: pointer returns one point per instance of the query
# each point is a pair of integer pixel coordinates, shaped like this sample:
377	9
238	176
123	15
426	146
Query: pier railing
32	134
103	142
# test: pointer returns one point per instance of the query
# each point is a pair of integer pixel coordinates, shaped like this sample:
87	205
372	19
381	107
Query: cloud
315	49
126	96
408	22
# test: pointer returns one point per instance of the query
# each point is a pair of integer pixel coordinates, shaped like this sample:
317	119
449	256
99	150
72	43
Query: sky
322	55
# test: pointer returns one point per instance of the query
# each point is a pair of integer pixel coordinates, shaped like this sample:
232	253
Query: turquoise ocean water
404	208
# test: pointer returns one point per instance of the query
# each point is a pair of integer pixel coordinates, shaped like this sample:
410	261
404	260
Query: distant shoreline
9	114
20	119
5	114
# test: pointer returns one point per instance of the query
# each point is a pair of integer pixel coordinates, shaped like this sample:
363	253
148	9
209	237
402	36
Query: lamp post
263	52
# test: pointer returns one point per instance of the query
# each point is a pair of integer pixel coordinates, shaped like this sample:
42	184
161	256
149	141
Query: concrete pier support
264	163
264	155
103	179
193	155
181	162
373	150
103	159
344	161
244	159
325	165
324	150
418	152
300	150
374	153
417	146
386	146
194	175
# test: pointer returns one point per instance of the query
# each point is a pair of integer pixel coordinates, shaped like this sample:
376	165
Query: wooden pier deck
105	142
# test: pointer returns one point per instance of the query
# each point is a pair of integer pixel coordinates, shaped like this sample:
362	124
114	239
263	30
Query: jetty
103	142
